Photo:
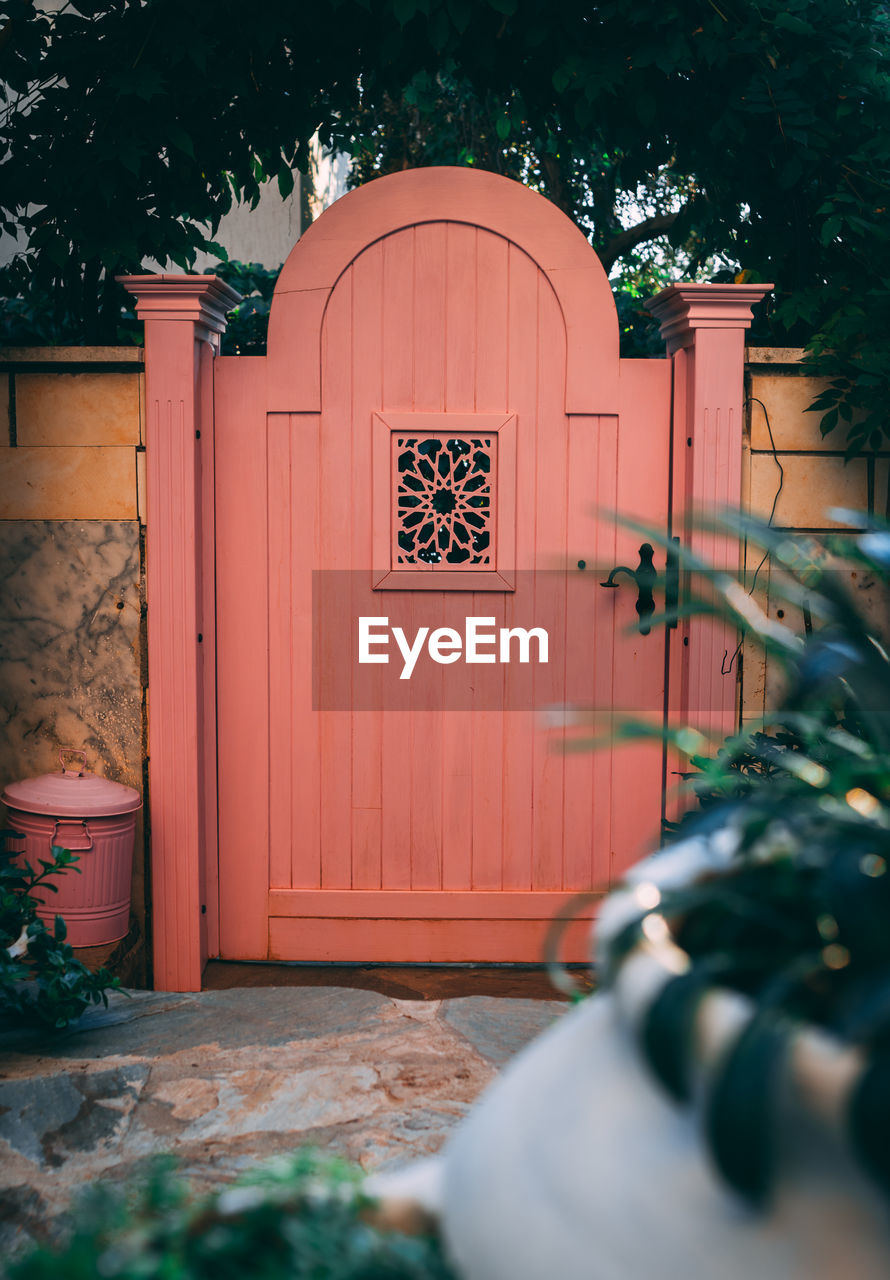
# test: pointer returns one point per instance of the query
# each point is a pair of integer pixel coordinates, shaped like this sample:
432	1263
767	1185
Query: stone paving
223	1079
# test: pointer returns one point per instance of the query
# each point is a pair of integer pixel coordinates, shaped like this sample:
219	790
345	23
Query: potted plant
721	1106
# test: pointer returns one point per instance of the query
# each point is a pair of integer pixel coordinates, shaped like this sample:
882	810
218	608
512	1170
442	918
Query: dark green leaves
740	1119
667	1033
46	984
796	921
285	180
799	26
869	1120
303	1219
460	11
404	10
772	144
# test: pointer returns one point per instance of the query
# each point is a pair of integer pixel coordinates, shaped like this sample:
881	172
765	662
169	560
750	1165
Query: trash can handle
72	848
72	751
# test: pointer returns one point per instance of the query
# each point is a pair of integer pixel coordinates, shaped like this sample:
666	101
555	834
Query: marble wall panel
70	646
71	652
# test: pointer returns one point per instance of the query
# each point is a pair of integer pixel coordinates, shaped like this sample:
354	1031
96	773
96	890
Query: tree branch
648	229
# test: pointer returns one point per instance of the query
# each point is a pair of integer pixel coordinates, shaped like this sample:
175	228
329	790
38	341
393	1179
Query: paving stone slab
48	1119
498	1029
156	1024
225	1079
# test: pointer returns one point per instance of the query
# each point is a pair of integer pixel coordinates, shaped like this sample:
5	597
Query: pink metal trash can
94	818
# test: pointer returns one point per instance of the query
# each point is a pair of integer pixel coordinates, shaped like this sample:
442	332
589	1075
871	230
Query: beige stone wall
795	478
71	567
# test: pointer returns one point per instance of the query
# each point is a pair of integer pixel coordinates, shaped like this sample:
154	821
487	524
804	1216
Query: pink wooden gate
435	315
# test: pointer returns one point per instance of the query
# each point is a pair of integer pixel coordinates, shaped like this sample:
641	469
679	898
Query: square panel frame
387	577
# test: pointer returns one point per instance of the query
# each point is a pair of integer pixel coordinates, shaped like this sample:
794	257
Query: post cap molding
204	300
682	308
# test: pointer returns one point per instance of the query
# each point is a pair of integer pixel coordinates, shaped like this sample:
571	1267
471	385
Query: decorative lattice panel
444	499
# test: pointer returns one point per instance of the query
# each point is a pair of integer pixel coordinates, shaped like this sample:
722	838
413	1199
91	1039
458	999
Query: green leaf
830	229
829	422
799	26
57	250
461	12
285	181
181	140
562	78
869	1120
740	1116
502	126
667	1032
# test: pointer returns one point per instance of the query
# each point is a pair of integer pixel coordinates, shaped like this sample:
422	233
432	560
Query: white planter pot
577	1166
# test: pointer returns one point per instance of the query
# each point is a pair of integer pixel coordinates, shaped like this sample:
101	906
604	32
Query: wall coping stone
49	359
775	355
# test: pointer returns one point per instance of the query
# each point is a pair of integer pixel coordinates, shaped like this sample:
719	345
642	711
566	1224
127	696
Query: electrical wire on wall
726	668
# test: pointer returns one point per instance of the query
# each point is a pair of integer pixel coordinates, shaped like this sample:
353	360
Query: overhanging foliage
761	132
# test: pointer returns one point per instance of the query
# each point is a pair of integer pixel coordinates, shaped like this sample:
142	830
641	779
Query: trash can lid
71	793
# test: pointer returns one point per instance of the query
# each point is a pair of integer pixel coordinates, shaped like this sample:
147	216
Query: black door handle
646	578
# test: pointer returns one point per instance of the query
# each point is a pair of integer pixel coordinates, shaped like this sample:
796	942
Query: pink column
704	328
184	316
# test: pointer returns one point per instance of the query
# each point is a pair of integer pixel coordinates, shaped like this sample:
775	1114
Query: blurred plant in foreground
300	1217
796	917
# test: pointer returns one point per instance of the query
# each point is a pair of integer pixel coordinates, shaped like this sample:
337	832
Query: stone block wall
797	479
72	652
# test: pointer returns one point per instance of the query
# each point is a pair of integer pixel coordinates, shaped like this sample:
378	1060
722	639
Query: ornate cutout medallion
444	500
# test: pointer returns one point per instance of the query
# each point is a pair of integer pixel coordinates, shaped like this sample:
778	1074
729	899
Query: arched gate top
469	196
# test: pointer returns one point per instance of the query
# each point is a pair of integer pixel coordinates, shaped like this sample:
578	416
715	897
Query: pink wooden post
704	328
184	316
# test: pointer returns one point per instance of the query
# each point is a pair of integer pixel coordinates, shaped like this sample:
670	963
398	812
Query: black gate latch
646	578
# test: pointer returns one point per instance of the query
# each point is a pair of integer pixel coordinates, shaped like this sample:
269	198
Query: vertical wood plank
335	525
580	817
476	356
242	656
305	723
427	332
398	393
431	286
521	301
642	493
280	516
367	396
462	300
551	500
492	325
489	724
604	641
209	882
677	708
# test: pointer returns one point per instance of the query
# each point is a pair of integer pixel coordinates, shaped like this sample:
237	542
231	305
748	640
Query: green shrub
41	979
302	1217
